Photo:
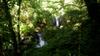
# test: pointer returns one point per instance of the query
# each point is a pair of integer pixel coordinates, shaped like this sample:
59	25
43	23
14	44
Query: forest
49	27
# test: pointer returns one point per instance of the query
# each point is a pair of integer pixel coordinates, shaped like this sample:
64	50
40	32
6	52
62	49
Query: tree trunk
18	28
13	35
94	13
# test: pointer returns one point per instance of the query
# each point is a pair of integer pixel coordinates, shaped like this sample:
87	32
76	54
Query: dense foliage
70	40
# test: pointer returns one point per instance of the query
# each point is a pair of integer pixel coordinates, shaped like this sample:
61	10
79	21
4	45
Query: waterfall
57	21
42	42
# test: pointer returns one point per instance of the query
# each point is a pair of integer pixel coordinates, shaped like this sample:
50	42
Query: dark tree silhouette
13	35
1	47
94	12
18	27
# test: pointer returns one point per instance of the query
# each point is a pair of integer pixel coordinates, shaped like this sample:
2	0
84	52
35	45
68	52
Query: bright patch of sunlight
1	0
77	24
54	0
16	6
61	27
30	25
44	4
68	21
68	1
26	14
62	11
14	10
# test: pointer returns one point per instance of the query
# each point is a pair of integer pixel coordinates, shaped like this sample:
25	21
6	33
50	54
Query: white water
57	22
42	41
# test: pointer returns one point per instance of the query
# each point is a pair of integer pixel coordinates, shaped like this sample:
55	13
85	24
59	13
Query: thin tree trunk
18	28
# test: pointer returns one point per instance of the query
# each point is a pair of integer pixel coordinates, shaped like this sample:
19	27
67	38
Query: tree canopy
20	18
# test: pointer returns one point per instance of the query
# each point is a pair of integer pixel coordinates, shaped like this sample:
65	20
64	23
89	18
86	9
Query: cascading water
57	21
42	42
